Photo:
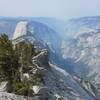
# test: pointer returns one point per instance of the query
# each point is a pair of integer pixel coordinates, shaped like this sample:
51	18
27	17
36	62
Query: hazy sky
62	9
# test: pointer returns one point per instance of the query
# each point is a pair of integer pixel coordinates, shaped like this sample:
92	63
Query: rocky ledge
10	96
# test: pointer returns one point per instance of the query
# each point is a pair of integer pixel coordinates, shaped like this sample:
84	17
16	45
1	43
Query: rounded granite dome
40	32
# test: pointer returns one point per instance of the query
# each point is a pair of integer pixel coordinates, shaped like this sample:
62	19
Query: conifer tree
8	58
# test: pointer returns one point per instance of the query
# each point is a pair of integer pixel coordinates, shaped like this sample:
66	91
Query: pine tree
25	51
8	58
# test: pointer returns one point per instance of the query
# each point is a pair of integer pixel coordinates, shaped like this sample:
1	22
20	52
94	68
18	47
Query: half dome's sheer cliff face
21	30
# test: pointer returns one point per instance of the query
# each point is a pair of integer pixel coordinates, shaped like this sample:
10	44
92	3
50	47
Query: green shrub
3	77
37	79
22	88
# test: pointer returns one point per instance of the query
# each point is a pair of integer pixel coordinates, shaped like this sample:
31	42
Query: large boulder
3	86
43	92
10	96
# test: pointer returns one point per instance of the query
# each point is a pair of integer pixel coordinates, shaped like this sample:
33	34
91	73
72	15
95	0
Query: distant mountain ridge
11	22
81	48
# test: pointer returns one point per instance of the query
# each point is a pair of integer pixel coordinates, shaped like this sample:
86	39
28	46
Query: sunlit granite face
21	29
